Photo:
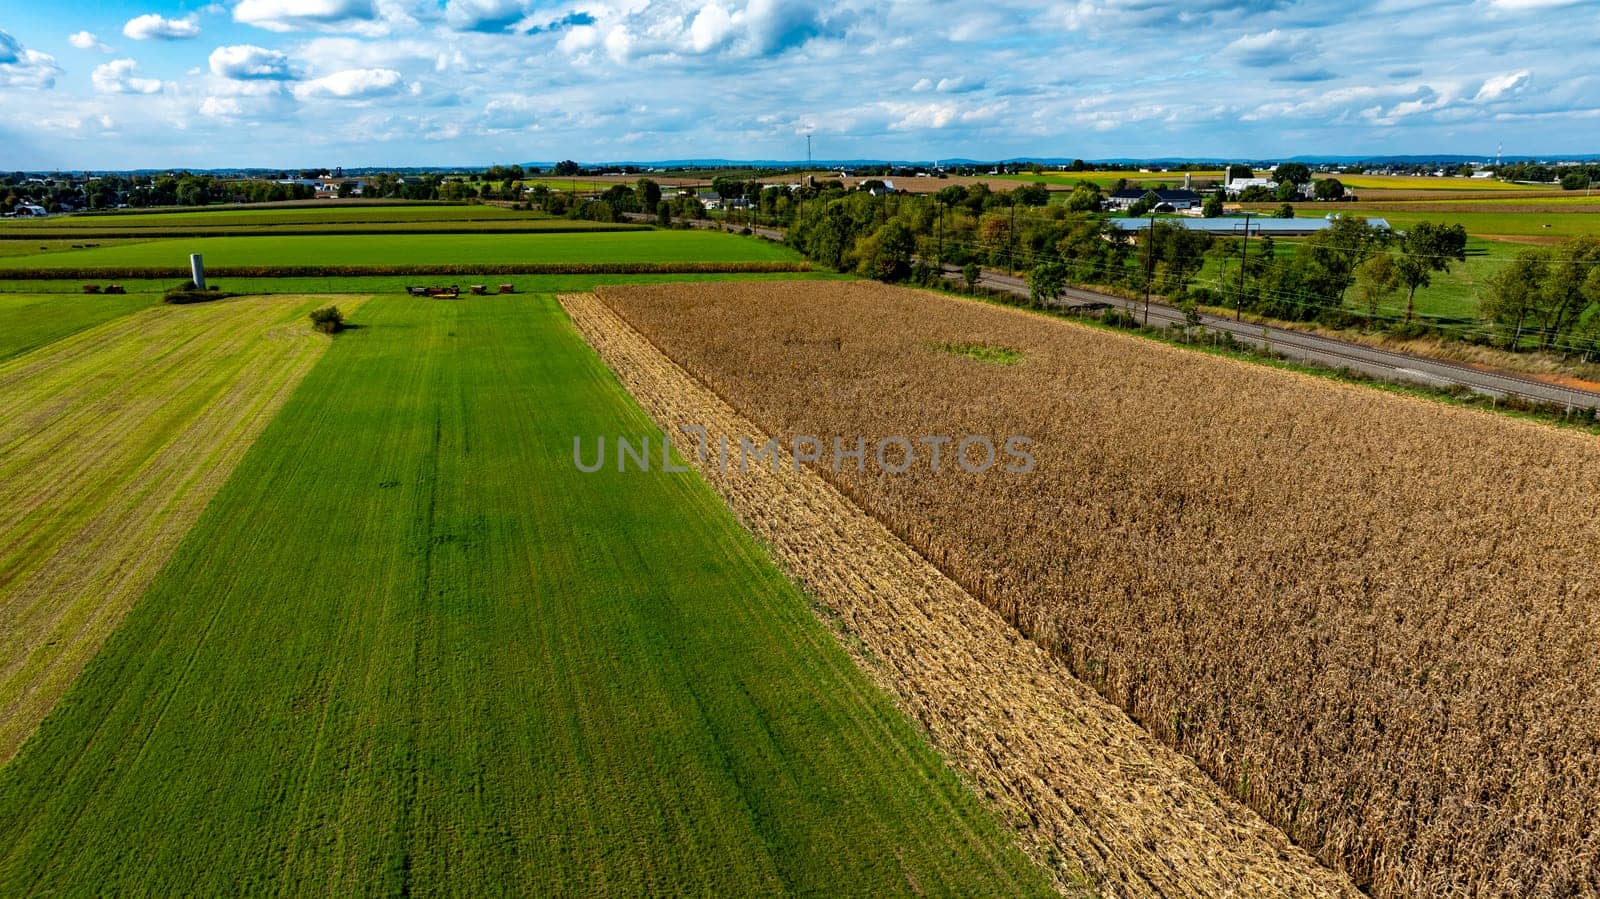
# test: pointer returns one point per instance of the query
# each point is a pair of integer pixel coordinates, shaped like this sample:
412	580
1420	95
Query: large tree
1512	294
1292	173
1427	248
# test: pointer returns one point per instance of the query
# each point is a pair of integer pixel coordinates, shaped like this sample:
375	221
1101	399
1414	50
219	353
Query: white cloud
21	67
154	27
222	107
117	77
353	84
88	40
484	15
1272	48
246	61
310	15
712	28
1521	5
1502	85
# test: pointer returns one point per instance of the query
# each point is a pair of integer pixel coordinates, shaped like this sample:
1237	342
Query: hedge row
293	229
358	271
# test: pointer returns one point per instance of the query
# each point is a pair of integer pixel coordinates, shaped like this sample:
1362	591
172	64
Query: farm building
1178	198
1231	187
1234	226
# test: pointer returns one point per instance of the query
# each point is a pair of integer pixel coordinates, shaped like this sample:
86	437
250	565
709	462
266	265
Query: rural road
1296	346
1299	346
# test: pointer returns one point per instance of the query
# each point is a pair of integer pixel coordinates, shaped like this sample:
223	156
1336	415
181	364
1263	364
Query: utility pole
1011	241
1238	303
1149	264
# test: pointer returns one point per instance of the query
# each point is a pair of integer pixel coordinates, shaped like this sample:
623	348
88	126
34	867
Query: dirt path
1090	794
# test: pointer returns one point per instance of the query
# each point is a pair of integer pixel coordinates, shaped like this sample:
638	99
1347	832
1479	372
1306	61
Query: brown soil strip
112	442
1091	795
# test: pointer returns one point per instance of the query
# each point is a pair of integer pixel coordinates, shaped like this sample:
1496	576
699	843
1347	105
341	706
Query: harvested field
1371	617
112	442
1093	796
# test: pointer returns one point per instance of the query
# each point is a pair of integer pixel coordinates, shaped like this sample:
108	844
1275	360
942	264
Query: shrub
186	292
328	320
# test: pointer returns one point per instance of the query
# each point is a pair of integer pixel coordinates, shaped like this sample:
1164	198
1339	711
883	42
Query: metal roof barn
1235	225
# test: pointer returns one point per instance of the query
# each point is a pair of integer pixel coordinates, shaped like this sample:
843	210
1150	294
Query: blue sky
156	83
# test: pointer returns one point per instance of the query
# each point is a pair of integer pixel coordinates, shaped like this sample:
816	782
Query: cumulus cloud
1502	85
87	40
484	15
243	62
21	67
753	29
1271	48
353	84
117	77
155	27
309	15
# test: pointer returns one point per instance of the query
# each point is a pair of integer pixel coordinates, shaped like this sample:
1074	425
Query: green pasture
1516	224
31	320
209	216
419	249
410	649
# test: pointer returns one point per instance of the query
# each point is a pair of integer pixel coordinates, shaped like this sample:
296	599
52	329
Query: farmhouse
1177	198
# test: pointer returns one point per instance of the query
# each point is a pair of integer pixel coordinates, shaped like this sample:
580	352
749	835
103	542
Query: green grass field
1525	224
409	648
419	249
31	320
211	216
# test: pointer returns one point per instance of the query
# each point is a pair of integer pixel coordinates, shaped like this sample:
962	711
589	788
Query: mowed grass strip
111	443
420	249
31	320
411	649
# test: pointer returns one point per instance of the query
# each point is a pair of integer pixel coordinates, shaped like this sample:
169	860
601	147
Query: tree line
1351	273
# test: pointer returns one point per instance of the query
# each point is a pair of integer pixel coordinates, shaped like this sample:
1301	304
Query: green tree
663	213
970	273
1512	294
1036	194
1292	173
1086	197
1328	189
1286	211
1212	207
648	192
1423	250
886	253
566	168
1045	282
1575	181
1376	281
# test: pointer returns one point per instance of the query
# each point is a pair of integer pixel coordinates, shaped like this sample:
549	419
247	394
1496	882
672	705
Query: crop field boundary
1092	796
445	227
358	271
112	443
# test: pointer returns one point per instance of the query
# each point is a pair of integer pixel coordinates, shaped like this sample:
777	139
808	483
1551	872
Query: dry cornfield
1373	618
